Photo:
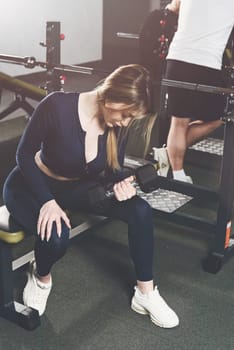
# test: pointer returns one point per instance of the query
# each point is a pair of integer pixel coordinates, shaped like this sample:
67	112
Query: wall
23	26
154	4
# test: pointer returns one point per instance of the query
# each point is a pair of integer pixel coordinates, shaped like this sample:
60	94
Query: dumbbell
146	178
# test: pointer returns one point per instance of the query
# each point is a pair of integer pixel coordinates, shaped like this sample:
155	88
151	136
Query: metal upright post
221	247
163	118
53	56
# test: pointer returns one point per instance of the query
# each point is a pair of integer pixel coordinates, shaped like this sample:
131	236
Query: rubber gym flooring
89	306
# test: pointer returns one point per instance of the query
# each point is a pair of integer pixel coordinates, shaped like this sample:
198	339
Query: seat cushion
10	231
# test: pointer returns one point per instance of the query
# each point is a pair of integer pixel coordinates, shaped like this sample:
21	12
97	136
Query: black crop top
55	128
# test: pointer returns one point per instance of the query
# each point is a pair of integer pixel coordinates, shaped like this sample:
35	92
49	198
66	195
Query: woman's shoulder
61	96
58	104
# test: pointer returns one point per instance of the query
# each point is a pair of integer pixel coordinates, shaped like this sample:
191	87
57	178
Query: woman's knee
58	243
180	123
140	209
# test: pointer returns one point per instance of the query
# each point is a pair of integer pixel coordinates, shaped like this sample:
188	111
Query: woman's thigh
131	210
20	202
74	196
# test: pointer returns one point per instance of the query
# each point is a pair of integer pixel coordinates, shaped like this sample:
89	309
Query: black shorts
193	104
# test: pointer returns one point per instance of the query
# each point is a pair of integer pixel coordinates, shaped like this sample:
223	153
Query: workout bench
10	235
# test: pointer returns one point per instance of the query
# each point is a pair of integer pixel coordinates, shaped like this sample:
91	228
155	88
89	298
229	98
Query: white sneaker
186	179
189	179
154	305
36	293
160	155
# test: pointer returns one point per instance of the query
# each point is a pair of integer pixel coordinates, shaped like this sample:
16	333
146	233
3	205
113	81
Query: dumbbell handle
110	193
145	177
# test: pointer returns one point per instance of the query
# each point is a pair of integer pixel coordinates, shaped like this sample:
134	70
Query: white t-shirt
204	27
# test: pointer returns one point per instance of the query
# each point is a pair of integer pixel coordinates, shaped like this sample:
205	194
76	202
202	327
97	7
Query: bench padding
10	231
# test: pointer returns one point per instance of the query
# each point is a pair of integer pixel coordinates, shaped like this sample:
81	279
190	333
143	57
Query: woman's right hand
51	212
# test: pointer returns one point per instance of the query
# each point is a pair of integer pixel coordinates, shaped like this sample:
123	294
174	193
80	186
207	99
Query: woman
69	142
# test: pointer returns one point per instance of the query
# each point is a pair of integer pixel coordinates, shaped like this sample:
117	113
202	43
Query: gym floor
89	306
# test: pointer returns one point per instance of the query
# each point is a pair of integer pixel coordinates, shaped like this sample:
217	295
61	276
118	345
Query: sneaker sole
140	310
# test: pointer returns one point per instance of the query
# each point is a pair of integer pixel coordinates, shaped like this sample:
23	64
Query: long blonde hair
131	85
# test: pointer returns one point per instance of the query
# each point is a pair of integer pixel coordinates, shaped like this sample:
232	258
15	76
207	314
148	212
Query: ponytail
112	150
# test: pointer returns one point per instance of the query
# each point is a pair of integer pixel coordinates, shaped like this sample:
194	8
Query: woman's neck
90	111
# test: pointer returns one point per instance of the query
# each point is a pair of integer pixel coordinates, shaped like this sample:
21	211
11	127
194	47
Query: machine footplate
164	200
209	145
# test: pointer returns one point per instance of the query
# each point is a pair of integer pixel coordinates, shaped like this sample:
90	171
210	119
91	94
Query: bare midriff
48	171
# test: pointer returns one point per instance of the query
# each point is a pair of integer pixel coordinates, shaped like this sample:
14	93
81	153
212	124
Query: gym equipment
147	180
54	79
52	64
154	38
222	247
22	91
59	67
53	45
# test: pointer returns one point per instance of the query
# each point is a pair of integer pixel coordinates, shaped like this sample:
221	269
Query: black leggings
72	195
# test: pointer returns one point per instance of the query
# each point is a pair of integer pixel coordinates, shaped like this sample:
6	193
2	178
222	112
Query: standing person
195	55
70	140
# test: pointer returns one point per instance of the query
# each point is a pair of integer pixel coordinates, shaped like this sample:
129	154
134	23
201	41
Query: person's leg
177	141
182	134
25	209
183	104
199	129
137	213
